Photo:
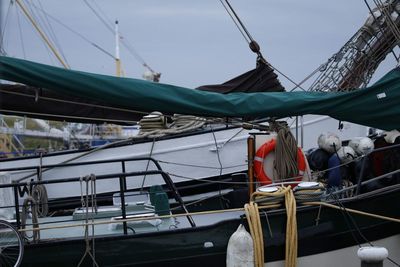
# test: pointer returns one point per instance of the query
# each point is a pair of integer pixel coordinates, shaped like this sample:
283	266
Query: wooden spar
117	57
250	158
42	34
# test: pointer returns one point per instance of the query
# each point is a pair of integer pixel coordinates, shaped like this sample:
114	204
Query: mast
117	57
353	66
42	34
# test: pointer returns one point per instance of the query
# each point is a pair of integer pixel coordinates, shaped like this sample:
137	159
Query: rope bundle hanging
39	193
253	219
30	206
285	164
89	197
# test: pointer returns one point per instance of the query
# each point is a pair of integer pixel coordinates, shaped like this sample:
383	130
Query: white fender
240	251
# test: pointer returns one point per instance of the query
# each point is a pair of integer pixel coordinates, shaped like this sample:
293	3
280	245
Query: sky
191	43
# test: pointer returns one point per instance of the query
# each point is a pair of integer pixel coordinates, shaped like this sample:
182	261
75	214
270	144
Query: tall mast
117	58
42	34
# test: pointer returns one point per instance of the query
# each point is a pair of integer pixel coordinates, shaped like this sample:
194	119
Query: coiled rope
39	193
253	219
285	163
30	206
89	249
155	126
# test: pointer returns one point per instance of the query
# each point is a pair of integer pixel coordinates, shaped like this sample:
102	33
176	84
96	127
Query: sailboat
143	232
215	149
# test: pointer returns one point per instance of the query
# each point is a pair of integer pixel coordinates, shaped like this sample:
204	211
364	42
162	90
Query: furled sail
376	106
260	79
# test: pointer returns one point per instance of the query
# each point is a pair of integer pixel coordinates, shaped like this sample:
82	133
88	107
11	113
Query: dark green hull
185	247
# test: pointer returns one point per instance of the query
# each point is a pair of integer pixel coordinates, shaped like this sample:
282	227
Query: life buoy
263	151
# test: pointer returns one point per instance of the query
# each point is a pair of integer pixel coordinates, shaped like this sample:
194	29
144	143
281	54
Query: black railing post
16	200
171	185
122	182
124	171
38	178
360	178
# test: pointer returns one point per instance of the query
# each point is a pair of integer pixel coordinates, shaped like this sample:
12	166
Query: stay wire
105	23
50	30
130	49
349	219
380	27
392	26
240	22
3	30
41	22
236	23
75	32
20	34
220	165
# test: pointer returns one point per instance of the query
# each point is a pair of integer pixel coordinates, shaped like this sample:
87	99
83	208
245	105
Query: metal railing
20	186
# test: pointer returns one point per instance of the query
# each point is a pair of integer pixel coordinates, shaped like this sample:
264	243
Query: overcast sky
190	42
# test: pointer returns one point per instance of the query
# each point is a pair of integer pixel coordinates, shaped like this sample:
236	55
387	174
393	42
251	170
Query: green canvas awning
375	106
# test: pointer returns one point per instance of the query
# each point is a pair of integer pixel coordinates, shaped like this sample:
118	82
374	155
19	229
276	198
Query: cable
129	47
20	35
105	23
3	30
75	32
349	218
51	33
236	23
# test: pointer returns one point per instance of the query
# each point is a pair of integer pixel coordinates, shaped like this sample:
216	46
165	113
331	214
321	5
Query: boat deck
143	221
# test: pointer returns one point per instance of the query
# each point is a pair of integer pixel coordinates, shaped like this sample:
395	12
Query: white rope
89	250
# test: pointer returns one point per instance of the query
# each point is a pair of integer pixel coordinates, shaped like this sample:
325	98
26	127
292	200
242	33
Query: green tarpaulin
375	106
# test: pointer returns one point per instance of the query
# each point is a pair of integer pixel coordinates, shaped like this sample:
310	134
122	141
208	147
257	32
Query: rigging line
130	49
20	35
390	22
309	76
75	32
3	30
51	32
134	53
349	218
39	21
346	218
110	22
284	75
30	16
240	22
380	27
236	23
99	17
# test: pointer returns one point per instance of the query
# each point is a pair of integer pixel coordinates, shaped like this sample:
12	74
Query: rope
85	204
181	124
30	202
359	212
285	163
39	194
148	164
253	219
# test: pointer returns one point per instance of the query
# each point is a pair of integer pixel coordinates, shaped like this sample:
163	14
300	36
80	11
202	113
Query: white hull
184	158
346	256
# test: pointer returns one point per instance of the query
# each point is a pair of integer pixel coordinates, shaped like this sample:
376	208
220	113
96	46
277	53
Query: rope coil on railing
30	203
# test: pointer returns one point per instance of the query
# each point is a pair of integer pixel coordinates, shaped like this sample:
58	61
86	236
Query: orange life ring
263	151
